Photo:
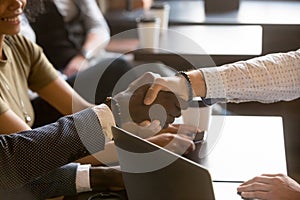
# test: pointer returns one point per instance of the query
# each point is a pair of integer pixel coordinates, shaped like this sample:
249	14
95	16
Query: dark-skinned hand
165	108
106	178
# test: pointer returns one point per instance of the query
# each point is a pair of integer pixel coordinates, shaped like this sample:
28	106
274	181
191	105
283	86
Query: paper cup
198	115
162	11
148	31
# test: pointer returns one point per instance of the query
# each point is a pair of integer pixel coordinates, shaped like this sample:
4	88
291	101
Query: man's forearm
36	152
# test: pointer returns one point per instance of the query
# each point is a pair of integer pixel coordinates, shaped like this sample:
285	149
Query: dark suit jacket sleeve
31	154
58	182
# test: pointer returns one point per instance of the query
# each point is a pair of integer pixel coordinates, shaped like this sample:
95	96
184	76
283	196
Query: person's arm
97	36
64	181
62	97
269	78
11	123
98	32
59	182
31	154
43	79
270	187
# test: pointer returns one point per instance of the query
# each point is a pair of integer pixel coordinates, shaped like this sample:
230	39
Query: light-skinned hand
175	84
176	143
270	187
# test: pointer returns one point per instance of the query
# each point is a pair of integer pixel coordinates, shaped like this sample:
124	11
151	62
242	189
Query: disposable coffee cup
148	31
162	11
198	115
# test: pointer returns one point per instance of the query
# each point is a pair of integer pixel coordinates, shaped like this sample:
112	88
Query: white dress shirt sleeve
83	178
106	119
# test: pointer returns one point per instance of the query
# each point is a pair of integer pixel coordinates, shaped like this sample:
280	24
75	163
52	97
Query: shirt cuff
83	178
215	87
106	119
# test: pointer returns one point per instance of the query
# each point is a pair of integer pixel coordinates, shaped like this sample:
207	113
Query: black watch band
189	83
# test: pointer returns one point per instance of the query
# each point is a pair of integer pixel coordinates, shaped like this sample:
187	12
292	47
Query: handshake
149	106
151	98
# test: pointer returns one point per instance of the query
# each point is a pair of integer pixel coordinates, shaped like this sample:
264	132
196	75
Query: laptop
152	172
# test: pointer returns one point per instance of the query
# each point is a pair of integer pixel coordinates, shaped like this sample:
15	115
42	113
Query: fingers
144	129
182	104
164	84
274	175
255	195
174	112
154	126
152	94
145	123
170	119
173	142
188	129
254	190
146	78
167	100
270	186
172	128
182	145
260	179
257	187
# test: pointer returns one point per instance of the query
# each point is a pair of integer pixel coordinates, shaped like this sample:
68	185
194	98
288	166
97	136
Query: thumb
152	94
